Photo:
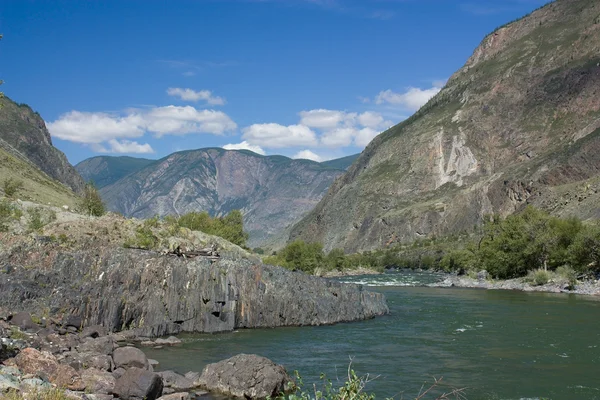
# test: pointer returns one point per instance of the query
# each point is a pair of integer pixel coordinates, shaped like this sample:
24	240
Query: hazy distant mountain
271	191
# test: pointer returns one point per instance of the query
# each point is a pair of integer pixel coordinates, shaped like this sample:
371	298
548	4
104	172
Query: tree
91	201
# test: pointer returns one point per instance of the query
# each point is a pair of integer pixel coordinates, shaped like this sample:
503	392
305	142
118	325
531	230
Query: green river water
498	344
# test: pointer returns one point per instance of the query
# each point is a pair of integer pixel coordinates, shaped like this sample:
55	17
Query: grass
36	186
48	394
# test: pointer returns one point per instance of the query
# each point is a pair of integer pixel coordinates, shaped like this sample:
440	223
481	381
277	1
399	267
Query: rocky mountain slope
518	124
272	191
23	134
76	268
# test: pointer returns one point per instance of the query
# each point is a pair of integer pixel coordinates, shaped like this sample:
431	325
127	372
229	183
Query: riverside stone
23	320
137	383
245	375
127	357
98	381
178	383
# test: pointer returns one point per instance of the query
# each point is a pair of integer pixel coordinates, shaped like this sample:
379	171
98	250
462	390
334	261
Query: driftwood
209	252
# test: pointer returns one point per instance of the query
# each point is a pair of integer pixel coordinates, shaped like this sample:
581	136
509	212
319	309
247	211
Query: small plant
568	274
15	333
12	186
91	202
143	239
538	277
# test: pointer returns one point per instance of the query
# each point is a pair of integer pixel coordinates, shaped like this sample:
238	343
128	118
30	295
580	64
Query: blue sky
303	78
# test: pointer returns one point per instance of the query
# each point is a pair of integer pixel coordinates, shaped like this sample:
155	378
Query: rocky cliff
78	269
518	124
271	191
23	134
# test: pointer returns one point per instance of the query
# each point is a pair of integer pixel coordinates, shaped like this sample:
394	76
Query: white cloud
129	146
307	155
84	127
372	120
192	95
245	146
339	137
364	136
95	128
412	99
279	136
325	119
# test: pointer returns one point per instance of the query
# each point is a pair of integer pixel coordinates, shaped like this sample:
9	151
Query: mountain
105	170
341	163
272	191
518	124
23	134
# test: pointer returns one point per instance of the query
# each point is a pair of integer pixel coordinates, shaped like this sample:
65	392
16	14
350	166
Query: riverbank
589	287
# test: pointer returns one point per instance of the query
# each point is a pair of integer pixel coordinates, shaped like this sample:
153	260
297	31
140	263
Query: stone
98	381
23	321
8	382
73	321
482	275
139	383
94	331
101	345
35	384
193	376
127	357
178	383
117	373
153	362
45	365
176	396
98	396
245	375
170	341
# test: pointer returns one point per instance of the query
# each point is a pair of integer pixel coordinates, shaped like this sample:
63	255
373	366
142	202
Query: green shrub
538	277
91	202
11	186
567	274
144	238
36	220
230	227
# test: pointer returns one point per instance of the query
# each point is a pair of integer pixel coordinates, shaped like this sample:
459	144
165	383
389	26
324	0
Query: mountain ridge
507	130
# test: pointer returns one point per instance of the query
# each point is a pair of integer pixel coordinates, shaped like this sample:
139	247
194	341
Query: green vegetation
41	394
310	258
354	389
39	217
528	242
229	227
91	202
144	237
11	186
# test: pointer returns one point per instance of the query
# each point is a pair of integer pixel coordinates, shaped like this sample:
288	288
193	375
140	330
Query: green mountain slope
341	163
105	170
518	124
272	191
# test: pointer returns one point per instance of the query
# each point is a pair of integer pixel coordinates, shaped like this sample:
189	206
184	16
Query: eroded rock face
245	376
158	295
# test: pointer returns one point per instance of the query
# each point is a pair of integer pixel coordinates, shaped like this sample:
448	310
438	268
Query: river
497	344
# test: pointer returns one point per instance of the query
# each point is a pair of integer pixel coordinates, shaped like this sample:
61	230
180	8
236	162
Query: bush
12	186
91	202
538	277
230	227
38	218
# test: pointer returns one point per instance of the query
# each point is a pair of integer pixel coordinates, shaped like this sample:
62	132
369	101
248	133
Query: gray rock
23	321
153	362
117	373
127	357
94	331
35	384
101	345
193	376
8	382
178	383
98	381
175	396
245	375
196	296
98	396
482	275
140	384
170	341
6	370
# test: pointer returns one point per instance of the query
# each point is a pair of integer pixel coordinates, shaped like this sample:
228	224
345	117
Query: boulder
127	357
138	383
98	381
245	375
178	383
482	275
101	345
45	365
8	382
94	331
23	321
118	372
